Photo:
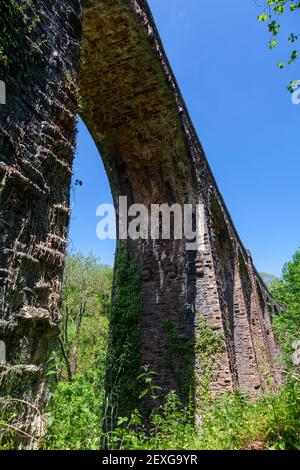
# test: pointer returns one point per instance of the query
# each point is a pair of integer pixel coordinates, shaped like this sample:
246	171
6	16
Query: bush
231	422
74	420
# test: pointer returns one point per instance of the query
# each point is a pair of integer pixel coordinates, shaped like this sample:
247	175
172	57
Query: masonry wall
134	110
39	64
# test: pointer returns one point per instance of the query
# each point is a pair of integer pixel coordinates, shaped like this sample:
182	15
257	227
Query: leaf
281	65
51	372
144	393
294	56
293	37
263	17
122	420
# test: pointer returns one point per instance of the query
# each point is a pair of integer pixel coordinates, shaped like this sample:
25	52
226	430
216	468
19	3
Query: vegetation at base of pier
231	421
123	360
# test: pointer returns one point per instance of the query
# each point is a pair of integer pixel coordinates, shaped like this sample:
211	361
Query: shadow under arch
130	108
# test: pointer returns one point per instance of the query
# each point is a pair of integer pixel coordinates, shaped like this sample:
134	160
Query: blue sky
244	117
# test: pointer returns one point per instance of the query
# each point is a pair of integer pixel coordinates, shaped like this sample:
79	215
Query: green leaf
144	393
294	56
263	17
292	37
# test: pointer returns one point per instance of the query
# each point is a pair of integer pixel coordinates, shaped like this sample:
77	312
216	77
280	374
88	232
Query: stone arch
132	106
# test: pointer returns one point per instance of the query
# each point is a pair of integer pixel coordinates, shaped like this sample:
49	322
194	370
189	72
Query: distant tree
268	278
86	297
287	291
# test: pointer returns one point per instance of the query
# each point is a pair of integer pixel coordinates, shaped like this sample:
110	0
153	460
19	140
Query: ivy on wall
123	361
203	349
209	346
18	27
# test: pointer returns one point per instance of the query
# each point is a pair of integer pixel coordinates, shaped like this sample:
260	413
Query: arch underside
131	104
134	111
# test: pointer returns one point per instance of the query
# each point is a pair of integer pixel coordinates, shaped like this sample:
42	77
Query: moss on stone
123	362
18	38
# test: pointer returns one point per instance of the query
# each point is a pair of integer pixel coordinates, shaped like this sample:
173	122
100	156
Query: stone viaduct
128	97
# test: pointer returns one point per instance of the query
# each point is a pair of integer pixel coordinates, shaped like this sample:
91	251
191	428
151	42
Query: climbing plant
209	346
204	348
19	26
123	360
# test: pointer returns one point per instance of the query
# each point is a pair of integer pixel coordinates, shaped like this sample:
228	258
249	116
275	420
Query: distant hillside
268	278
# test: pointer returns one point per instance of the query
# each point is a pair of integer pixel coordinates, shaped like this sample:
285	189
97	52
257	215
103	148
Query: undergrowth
230	421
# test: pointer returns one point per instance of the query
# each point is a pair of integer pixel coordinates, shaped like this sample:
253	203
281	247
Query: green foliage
123	362
209	345
150	389
7	417
205	346
287	292
75	414
88	282
76	409
86	299
12	12
272	14
230	422
18	36
170	427
234	422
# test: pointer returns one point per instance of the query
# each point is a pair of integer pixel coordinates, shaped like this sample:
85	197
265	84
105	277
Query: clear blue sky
246	122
